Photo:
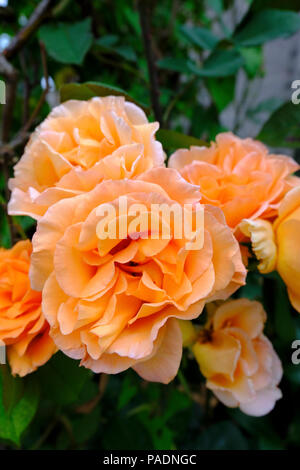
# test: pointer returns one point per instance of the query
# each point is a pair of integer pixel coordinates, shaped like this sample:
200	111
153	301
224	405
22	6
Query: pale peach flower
114	303
78	145
23	329
237	175
238	361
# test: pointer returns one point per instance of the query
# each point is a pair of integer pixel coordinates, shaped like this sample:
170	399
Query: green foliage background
99	44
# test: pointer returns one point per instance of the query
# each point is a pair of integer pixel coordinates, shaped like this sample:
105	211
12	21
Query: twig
45	434
144	14
177	96
18	141
90	405
64	420
31	26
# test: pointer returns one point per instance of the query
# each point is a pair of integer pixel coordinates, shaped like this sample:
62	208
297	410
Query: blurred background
199	68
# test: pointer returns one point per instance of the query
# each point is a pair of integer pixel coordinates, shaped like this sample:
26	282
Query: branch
18	141
31	26
21	138
144	13
11	76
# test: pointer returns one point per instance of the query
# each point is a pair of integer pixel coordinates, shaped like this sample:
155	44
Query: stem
45	434
145	13
31	26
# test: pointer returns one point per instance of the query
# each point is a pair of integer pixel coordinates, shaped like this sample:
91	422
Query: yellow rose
238	361
287	230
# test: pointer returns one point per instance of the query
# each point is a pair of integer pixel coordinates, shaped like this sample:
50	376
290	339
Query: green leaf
122	433
76	91
267	25
174	64
25	222
284	324
24	411
67	42
221	90
15	419
177	402
283	127
258	5
86	425
205	122
85	91
109	43
253	289
292	372
128	391
223	435
127	52
108	40
294	429
133	18
174	140
62	379
200	37
12	388
258	427
216	5
221	63
253	60
269	105
5	238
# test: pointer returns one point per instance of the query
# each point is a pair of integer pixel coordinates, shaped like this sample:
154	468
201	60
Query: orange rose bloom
23	329
77	146
113	302
239	362
287	229
237	175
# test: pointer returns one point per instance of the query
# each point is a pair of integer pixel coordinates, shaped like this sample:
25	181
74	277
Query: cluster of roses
121	303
